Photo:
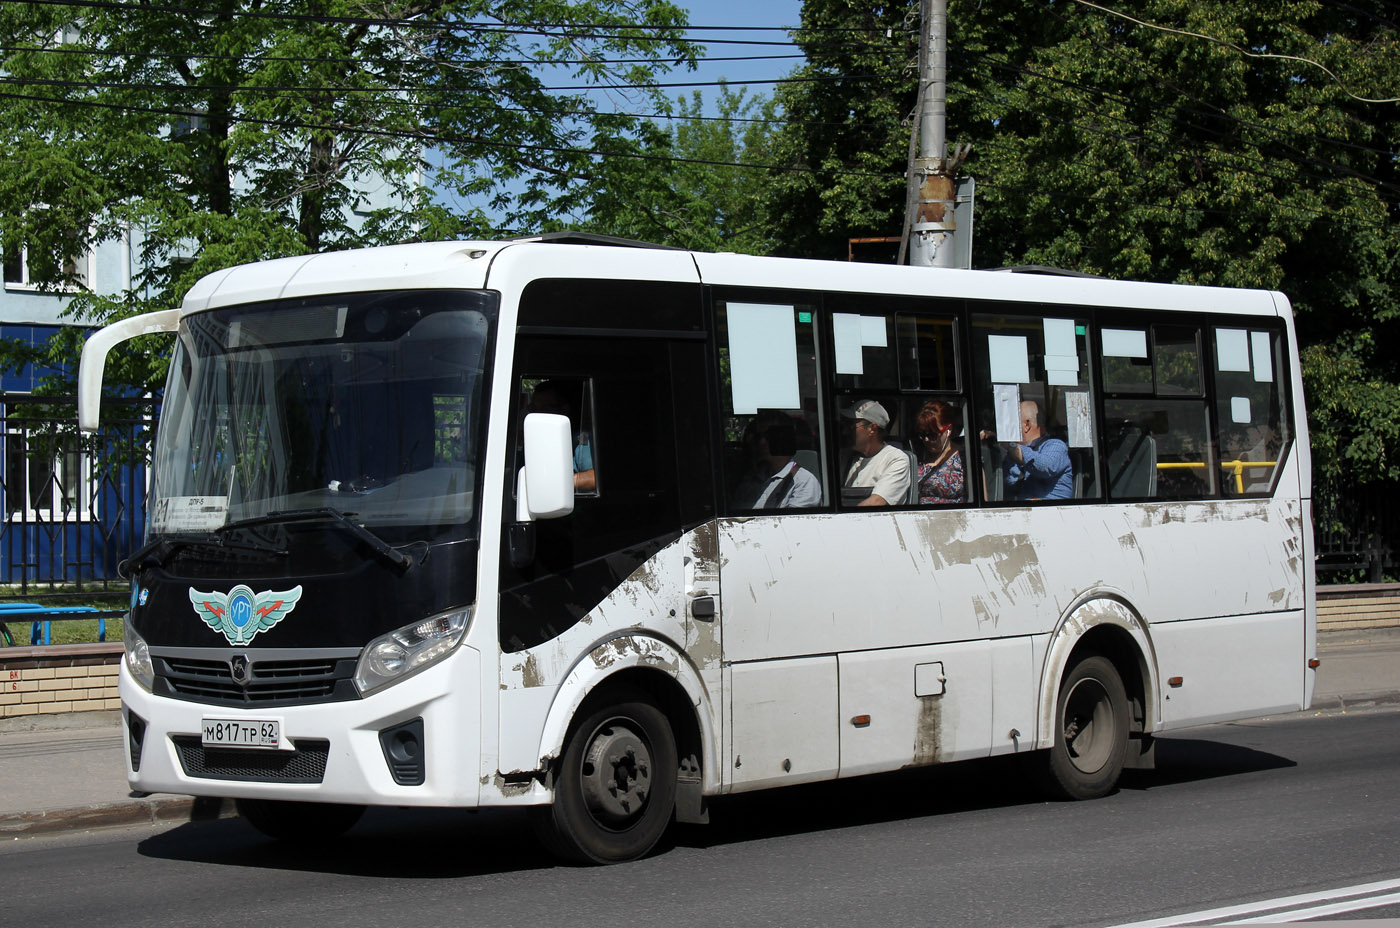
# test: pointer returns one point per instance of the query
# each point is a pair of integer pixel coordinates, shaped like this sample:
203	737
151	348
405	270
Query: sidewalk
71	774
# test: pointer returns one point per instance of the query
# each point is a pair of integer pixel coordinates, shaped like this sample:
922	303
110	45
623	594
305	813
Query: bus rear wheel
1091	731
616	785
300	822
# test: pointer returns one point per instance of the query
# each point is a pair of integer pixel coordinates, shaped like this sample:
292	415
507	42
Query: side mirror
95	357
545	488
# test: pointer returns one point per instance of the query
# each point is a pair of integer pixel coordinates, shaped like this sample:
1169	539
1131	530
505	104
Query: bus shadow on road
454	843
391	843
1188	760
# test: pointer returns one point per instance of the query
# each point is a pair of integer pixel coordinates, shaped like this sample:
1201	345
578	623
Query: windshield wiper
396	558
161	547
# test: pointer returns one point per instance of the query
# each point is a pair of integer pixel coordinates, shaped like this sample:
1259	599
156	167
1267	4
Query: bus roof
467	265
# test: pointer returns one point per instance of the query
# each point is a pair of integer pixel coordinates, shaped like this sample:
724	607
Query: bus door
629	560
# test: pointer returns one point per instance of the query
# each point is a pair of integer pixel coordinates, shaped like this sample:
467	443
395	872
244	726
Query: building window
77	270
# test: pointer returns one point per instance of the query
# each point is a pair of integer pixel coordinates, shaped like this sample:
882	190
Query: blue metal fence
73	505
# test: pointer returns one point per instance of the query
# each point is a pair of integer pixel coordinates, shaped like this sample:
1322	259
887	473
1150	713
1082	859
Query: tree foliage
682	183
238	130
1199	141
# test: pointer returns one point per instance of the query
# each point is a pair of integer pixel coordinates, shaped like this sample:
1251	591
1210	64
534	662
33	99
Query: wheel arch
637	663
1102	623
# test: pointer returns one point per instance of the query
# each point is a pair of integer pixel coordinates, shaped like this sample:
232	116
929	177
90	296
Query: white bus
607	531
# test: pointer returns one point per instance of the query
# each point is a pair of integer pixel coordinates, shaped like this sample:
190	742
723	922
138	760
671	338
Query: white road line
1336	908
1252	908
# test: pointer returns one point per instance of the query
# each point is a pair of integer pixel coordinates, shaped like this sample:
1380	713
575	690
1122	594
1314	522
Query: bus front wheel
299	822
1091	733
616	785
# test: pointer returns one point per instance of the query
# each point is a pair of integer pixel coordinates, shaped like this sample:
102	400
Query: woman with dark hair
941	463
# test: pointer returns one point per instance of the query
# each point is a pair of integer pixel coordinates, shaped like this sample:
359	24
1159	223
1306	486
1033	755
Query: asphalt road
1305	806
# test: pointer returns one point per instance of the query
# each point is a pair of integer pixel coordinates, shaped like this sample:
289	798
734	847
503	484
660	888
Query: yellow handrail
1236	468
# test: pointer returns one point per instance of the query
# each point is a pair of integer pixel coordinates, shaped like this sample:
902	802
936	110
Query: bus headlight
405	651
138	656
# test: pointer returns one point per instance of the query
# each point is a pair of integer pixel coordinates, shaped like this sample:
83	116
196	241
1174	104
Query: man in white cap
881	467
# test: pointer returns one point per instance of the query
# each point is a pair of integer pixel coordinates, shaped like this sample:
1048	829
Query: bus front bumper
330	752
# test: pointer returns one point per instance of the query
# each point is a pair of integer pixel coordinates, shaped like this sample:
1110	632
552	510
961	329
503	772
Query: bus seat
992	483
810	461
1132	467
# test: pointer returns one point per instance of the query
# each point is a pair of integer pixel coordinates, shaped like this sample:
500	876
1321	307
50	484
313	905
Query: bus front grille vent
306	764
255	681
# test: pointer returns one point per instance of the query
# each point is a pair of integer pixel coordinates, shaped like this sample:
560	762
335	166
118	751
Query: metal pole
931	233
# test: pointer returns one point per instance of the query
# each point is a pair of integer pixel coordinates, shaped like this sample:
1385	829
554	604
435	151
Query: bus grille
307	764
265	683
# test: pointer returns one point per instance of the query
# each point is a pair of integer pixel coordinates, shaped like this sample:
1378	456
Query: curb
1355	702
143	811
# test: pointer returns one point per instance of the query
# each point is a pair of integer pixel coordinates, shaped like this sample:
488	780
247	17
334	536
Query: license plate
241	733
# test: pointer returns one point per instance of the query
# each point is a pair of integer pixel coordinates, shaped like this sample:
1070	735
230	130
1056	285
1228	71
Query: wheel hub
1088	725
616	775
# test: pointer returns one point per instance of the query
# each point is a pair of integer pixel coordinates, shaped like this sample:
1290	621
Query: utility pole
931	227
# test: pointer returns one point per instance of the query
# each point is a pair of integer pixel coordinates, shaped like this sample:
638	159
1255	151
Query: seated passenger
941	463
881	467
790	485
1038	466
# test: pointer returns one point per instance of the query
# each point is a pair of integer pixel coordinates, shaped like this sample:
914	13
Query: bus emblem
240	614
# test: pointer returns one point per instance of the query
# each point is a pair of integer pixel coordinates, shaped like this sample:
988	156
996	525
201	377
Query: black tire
1091	731
299	822
616	786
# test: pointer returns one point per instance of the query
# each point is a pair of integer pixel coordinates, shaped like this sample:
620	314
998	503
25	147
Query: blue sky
757	13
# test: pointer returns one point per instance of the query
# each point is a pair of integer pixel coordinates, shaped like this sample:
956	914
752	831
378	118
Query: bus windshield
370	405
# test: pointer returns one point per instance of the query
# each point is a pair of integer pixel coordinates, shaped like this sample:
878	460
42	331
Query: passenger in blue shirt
1037	467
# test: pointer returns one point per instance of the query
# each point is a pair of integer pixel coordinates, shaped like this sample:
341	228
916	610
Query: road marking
1331	896
1336	908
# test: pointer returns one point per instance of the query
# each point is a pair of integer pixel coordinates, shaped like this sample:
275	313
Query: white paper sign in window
1231	350
1059	337
1263	357
1239	410
852	335
1079	419
1007	400
762	357
1124	343
189	513
1010	358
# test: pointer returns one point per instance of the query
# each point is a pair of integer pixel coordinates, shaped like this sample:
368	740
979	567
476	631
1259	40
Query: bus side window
1250	408
572	397
773	450
1035	433
1155	423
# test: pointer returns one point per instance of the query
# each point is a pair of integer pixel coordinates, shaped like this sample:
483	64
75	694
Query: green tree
1197	141
679	183
240	130
845	142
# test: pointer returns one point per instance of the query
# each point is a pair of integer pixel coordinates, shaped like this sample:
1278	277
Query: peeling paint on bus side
644	622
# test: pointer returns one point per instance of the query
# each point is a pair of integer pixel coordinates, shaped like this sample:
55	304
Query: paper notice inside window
846	333
1078	419
1007	400
189	513
762	357
1231	350
1059	338
1009	357
1262	357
